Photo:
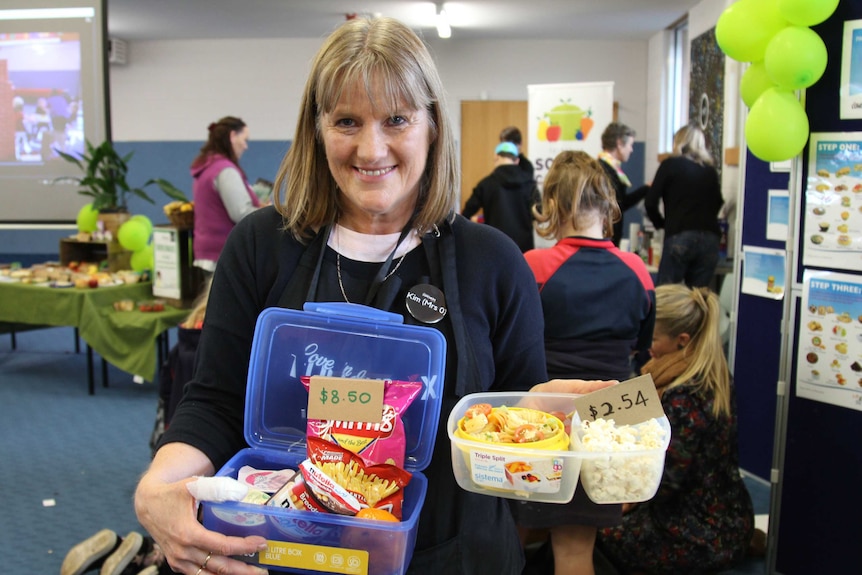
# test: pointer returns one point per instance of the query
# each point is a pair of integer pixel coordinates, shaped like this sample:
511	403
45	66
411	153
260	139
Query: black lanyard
378	280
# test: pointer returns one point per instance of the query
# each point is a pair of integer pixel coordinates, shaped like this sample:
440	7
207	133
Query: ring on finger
198	572
207	560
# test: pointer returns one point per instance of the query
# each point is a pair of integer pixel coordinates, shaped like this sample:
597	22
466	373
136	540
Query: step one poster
833	202
829	354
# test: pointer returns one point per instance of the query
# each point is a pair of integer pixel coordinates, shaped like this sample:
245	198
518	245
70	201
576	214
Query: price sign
345	399
627	403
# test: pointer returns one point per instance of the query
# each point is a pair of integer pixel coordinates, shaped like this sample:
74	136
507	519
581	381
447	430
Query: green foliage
104	178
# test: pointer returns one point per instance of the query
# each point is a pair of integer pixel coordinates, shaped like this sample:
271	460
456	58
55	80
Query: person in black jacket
513	134
506	197
617	145
687	184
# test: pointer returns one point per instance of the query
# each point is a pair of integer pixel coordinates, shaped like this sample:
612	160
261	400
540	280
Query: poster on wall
778	215
833	202
566	117
829	354
763	272
706	92
851	71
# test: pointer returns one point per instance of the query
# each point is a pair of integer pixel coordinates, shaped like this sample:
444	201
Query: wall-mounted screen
53	97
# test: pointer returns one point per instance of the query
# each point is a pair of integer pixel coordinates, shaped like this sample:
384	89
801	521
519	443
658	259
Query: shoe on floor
125	553
84	554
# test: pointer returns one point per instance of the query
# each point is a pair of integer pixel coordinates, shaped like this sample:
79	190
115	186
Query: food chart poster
829	358
833	202
851	71
778	215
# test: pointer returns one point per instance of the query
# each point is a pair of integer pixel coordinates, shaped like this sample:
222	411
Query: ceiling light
444	30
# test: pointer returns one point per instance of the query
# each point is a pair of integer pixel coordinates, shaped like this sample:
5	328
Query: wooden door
481	124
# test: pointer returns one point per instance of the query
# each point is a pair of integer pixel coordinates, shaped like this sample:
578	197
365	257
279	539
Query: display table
127	339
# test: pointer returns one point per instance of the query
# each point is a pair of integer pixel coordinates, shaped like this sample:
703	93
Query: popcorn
627	477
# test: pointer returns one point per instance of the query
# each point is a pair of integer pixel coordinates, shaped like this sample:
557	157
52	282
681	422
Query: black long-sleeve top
691	194
624	200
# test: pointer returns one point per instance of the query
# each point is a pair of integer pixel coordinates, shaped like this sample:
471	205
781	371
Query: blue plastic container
338	340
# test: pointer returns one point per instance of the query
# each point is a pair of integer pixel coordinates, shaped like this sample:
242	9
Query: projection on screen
52	99
46	103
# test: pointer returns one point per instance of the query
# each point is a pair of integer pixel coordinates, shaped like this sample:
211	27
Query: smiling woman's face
377	157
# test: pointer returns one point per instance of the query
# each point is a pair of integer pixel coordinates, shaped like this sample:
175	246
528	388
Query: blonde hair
696	311
575	189
690	142
199	308
371	52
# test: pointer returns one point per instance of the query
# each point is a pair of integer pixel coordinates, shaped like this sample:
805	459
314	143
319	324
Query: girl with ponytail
701	520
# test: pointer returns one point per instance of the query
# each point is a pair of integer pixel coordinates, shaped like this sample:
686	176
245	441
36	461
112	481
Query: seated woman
701	520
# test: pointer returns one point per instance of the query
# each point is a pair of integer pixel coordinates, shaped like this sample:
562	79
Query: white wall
171	90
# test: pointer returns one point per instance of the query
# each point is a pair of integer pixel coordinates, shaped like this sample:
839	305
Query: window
676	114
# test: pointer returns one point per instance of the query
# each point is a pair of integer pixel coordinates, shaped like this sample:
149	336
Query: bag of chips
342	482
383	442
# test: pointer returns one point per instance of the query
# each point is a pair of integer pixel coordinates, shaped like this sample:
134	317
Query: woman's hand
167	511
579	386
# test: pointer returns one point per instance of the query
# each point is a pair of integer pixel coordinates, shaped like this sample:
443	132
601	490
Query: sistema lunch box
337	340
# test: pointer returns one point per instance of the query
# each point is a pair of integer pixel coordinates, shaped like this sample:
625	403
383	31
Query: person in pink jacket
221	191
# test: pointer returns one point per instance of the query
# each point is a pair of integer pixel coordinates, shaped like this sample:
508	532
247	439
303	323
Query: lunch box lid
339	340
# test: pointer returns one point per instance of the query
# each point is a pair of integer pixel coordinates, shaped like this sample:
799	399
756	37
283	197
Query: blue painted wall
171	160
168	160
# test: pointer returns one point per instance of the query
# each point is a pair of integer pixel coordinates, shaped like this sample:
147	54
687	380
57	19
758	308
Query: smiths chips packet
383	442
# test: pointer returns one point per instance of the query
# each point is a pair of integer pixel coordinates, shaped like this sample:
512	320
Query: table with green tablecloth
126	339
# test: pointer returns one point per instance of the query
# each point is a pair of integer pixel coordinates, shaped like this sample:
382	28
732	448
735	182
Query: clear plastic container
334	340
548	472
623	476
545	472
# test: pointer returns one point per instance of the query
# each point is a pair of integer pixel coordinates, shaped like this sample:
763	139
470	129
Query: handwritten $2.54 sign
627	403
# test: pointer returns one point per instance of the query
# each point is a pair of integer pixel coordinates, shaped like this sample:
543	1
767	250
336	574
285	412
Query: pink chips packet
383	442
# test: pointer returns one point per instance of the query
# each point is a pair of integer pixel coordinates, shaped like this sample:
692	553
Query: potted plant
104	180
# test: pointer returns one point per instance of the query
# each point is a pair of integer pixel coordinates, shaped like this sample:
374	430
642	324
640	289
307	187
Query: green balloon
88	219
145	220
777	127
133	235
754	82
142	260
745	28
795	58
807	12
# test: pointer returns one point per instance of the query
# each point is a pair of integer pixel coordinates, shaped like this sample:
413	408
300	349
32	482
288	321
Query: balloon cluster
134	235
785	55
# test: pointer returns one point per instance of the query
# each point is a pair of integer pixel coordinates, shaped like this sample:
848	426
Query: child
701	520
598	304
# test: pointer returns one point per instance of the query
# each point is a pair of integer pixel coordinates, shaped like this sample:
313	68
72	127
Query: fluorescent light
32	14
444	30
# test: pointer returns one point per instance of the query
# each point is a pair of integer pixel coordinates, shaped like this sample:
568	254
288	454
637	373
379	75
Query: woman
617	146
687	184
591	327
370	177
701	520
222	195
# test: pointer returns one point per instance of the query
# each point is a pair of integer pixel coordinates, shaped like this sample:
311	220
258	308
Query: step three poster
829	357
833	202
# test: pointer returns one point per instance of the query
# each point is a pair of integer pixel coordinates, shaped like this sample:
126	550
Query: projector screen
53	96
